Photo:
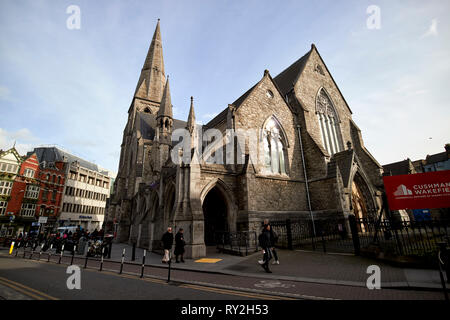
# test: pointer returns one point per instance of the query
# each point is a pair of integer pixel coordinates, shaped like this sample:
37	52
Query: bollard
24	252
101	261
121	264
86	260
60	256
170	262
50	252
133	252
143	264
40	252
12	248
73	254
109	250
17	251
32	252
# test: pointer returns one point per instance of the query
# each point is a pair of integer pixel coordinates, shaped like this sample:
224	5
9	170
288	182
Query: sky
73	87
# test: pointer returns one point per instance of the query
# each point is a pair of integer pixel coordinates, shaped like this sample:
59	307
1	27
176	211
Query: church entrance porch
215	216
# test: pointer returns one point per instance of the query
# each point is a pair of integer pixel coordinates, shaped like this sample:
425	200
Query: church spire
165	110
191	118
152	79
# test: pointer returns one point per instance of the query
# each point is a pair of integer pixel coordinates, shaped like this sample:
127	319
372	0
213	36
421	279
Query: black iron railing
241	243
349	235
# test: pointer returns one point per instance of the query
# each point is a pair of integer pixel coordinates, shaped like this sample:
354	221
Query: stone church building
315	163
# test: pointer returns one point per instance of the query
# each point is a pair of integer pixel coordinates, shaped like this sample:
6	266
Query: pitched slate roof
147	125
398	168
286	79
438	157
53	154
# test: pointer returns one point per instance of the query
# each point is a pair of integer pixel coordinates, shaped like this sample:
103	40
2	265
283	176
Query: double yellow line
235	293
205	288
30	292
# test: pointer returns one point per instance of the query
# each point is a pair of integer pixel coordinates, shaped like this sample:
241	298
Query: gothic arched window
274	147
328	122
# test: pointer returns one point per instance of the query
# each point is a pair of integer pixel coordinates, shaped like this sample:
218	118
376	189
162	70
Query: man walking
273	241
167	241
264	243
179	245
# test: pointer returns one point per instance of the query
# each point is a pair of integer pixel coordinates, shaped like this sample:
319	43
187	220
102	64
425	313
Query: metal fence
349	235
241	243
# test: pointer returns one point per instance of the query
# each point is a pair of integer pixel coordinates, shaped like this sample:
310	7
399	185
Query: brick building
24	192
83	188
314	162
52	180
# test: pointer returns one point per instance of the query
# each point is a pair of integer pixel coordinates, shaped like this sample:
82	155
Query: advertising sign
429	190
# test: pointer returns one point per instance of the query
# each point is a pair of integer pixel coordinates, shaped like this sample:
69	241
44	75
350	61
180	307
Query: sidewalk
302	266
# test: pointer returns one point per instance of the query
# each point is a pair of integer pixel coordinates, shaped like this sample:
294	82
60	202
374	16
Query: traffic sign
43	220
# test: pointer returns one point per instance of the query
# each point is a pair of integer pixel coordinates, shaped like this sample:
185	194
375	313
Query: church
314	165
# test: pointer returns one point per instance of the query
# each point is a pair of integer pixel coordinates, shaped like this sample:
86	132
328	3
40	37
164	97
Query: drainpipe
306	179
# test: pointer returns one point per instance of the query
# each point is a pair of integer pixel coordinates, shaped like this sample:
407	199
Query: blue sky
73	88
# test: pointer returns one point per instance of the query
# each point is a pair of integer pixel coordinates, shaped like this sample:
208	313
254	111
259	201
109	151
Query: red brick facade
52	179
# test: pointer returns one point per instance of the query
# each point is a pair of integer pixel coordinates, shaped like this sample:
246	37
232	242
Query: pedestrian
179	245
264	243
167	241
273	241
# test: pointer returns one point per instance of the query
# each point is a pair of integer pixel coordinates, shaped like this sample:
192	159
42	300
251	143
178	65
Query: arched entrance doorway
358	202
362	202
215	215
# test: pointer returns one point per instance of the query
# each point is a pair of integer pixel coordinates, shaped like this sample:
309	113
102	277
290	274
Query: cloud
23	139
432	30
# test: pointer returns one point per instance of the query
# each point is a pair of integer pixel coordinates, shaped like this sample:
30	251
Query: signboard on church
429	190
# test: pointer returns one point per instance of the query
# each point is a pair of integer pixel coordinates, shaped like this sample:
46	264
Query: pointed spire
151	82
165	110
191	117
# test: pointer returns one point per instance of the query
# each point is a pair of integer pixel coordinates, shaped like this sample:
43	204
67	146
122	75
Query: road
31	279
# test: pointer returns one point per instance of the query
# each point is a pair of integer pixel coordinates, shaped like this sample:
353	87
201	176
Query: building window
45	195
5	188
55	192
274	148
59	180
29	173
7	167
328	123
28	210
3	205
32	192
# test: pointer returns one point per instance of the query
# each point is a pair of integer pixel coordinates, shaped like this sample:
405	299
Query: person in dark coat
273	241
179	245
264	243
167	241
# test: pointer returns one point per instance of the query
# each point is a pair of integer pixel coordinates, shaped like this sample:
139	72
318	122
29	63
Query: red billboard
429	190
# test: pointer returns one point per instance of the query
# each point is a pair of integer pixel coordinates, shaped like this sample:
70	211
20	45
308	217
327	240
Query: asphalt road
50	278
47	281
